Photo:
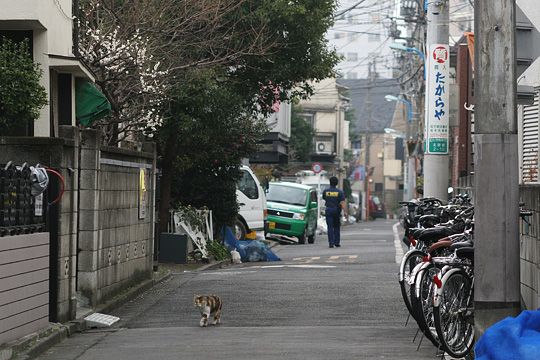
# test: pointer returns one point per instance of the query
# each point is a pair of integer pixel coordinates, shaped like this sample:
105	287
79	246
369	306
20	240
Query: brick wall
530	248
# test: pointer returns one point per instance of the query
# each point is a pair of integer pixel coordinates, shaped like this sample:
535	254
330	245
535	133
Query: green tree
299	54
209	131
225	110
21	95
218	67
301	141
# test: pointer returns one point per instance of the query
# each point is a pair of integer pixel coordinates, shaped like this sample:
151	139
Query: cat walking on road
207	305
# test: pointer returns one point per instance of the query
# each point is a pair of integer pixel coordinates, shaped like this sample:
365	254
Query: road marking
306	266
227	272
397	244
307	259
348	258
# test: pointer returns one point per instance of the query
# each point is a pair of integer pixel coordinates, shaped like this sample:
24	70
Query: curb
216	265
33	345
227	263
130	294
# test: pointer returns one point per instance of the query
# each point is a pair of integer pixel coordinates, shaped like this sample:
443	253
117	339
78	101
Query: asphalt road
318	303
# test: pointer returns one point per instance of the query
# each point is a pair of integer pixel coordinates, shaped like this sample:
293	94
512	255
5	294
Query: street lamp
401	47
395	134
410	168
413	50
406	102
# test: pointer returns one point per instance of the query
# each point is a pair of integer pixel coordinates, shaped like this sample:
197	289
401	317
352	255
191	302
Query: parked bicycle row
436	275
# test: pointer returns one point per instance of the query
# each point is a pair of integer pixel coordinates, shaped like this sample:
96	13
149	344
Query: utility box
173	248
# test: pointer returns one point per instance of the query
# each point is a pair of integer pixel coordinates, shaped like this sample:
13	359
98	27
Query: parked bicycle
434	233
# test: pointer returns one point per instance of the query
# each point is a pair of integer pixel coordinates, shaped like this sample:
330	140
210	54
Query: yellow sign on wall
142	194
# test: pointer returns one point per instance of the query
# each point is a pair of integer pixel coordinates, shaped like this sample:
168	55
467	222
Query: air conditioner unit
324	147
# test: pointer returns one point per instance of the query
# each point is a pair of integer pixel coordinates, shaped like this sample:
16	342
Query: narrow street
319	303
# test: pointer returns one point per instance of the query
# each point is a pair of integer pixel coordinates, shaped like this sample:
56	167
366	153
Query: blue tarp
511	339
250	250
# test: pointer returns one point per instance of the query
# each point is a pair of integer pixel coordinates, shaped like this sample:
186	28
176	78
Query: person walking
335	202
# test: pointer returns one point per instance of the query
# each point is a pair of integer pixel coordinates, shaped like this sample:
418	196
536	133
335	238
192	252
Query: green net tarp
90	103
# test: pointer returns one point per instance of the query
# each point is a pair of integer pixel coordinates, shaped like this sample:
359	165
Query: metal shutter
529	150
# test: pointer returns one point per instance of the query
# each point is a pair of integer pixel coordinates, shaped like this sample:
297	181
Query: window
352	56
286	195
309	118
313	196
374	37
529	142
247	185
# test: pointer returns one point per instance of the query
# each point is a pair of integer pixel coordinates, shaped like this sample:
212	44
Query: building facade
325	111
48	25
360	36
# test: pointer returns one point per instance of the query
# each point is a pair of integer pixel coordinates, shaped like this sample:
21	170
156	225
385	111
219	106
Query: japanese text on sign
437	101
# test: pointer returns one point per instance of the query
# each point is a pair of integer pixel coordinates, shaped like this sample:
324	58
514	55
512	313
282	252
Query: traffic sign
316	167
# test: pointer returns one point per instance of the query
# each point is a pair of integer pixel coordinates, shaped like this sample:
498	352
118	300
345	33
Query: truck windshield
287	195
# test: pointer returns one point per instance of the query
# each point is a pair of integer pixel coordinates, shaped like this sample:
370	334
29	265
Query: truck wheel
302	238
239	230
311	238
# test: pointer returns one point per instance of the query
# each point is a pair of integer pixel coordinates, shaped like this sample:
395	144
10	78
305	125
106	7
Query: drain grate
97	320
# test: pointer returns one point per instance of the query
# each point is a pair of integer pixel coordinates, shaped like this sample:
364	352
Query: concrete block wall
116	245
88	218
66	306
125	240
530	248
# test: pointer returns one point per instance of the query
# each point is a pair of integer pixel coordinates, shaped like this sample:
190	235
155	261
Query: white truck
319	181
252	202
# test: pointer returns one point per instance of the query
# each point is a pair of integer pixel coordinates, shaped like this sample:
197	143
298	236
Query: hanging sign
437	99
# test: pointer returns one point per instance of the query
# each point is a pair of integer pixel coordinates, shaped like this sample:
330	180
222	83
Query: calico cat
208	304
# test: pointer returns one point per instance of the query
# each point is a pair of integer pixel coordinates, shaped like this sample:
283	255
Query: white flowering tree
127	73
137	47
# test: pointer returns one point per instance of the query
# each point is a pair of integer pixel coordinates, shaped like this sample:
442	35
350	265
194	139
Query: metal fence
20	212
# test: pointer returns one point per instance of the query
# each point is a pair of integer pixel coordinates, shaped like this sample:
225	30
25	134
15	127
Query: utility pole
371	75
497	249
340	140
410	157
436	160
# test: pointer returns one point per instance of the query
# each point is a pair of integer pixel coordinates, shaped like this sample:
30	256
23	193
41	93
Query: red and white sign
436	133
316	167
440	54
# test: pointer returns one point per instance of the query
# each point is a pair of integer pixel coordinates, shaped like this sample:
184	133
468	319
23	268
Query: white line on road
307	259
397	244
228	272
348	258
298	266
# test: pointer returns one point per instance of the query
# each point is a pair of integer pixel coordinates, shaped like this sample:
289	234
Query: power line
350	8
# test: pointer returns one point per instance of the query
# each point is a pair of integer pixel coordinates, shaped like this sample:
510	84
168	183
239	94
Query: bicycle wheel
453	317
422	302
409	261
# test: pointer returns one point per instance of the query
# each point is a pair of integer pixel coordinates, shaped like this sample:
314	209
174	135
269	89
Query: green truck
292	210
